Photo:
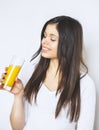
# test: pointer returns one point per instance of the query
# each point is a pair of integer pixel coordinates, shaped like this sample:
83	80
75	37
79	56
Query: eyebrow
51	34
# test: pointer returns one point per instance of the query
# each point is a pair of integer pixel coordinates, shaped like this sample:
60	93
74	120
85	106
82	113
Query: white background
21	22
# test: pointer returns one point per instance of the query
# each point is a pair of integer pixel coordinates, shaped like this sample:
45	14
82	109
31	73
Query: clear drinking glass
12	72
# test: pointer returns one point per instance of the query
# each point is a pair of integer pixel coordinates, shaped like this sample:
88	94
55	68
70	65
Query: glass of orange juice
12	72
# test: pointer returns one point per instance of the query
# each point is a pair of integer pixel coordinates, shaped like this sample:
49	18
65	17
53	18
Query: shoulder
87	86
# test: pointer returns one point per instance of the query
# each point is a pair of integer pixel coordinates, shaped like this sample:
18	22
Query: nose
45	40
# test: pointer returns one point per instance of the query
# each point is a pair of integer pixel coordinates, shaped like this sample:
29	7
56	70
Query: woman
59	95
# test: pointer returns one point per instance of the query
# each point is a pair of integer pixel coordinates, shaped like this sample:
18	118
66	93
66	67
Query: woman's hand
17	88
2	78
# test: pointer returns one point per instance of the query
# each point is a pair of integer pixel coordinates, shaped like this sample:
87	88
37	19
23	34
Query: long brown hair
70	59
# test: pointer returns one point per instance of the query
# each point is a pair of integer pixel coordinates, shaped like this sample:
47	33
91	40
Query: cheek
55	51
55	48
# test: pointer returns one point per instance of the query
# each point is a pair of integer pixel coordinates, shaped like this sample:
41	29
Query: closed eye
53	40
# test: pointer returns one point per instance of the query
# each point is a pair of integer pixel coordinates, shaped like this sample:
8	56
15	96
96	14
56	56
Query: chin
45	56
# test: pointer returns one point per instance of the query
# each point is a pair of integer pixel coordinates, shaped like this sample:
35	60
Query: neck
53	67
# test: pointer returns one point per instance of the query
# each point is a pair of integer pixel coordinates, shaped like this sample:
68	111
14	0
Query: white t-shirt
41	116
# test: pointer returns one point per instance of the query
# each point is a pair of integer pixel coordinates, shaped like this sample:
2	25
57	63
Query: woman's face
50	42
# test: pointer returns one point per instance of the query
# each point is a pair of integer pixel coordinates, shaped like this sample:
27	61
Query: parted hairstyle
70	60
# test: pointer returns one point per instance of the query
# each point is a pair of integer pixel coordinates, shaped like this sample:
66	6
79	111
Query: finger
6	68
1	85
17	87
3	75
1	82
15	90
18	80
1	88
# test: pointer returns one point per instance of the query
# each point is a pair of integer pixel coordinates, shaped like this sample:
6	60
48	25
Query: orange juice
12	73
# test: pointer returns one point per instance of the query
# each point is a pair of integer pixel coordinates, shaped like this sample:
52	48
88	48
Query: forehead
51	29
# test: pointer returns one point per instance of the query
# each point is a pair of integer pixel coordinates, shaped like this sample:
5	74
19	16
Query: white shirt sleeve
88	103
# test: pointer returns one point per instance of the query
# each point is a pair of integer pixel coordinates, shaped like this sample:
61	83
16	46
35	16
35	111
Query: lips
45	49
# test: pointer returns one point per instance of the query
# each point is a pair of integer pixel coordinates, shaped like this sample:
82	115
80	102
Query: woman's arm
17	116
